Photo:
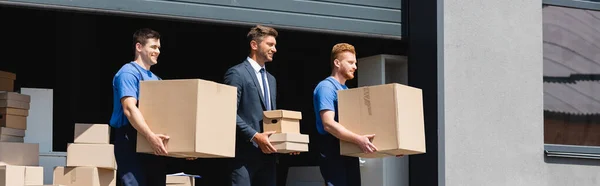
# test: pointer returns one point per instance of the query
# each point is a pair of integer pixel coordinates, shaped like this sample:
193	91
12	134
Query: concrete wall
492	99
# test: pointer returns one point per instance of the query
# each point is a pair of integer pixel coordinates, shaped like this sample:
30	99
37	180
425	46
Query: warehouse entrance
77	53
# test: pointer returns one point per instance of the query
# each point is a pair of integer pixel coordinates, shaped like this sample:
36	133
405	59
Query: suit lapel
252	74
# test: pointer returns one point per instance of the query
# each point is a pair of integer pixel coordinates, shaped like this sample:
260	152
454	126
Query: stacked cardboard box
286	124
90	158
393	112
176	180
19	162
199	117
7	81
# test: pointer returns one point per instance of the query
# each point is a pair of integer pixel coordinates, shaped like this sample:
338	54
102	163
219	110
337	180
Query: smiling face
149	51
265	50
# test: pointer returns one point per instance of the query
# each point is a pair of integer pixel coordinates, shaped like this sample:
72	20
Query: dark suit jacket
250	107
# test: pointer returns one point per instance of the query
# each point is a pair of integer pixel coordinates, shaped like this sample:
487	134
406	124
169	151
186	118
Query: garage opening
76	54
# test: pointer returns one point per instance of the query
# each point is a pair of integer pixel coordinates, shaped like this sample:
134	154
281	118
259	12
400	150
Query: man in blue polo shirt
137	168
337	170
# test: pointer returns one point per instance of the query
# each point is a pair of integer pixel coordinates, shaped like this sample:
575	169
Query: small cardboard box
24	154
180	180
92	133
91	155
282	121
34	175
12	132
13	118
7	81
12	175
14	100
84	176
289	142
393	112
7	138
199	116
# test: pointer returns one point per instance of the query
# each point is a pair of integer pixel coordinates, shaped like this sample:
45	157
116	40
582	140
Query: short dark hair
142	35
258	32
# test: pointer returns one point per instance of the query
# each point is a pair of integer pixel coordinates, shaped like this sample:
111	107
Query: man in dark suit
254	163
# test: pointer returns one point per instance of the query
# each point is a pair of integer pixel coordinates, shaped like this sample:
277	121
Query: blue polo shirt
127	83
325	98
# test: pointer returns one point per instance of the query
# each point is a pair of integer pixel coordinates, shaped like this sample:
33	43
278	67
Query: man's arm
325	97
233	78
127	91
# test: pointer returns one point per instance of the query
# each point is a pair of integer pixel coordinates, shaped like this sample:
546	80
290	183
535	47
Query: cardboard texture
6	138
14	104
92	134
14	111
393	112
14	96
199	116
7	84
12	132
91	155
13	121
289	137
24	154
34	175
287	147
84	176
282	121
8	75
7	80
12	175
180	181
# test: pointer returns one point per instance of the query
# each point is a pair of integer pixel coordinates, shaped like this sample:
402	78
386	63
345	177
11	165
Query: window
571	49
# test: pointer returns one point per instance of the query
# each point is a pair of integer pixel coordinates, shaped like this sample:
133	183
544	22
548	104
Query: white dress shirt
257	68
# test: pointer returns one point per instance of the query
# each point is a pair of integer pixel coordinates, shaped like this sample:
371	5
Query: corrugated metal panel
380	18
580	98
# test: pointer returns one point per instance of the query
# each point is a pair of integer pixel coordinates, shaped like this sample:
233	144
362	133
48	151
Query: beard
348	75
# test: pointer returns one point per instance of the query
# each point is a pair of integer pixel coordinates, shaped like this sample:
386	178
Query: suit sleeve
232	77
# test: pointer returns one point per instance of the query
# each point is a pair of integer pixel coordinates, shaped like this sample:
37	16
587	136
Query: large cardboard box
13	118
25	154
91	155
199	116
393	112
282	121
92	133
7	81
180	181
84	176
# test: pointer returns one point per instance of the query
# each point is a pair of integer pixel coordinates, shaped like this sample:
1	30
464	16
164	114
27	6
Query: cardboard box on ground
393	112
90	158
19	162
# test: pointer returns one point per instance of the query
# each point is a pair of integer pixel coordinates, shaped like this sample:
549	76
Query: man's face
266	48
346	63
150	51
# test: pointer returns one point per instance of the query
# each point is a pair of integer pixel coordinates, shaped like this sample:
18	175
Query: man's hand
364	142
262	139
158	142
